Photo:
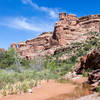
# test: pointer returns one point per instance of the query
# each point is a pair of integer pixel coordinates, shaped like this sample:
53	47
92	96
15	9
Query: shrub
11	58
81	52
25	63
24	87
98	88
4	93
85	74
73	59
87	47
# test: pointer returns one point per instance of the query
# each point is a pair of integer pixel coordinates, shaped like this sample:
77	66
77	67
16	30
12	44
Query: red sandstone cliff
2	50
69	29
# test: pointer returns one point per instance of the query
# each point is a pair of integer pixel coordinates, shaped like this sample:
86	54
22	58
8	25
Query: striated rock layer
69	29
32	48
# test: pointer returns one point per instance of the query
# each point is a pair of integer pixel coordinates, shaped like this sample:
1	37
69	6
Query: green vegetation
11	58
87	71
18	75
4	93
73	52
98	88
85	74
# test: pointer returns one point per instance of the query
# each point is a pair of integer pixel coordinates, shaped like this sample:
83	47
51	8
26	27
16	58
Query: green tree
11	57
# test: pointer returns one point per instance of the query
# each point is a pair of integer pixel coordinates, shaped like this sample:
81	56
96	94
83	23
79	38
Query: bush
24	87
4	93
25	63
98	88
87	47
81	52
7	58
73	59
11	58
85	74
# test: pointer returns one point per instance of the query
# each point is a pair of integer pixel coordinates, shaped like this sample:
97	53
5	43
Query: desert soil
45	91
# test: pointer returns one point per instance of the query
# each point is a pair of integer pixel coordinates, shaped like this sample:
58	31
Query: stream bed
81	90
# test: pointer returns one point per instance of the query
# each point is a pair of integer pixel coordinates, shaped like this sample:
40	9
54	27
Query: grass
4	93
15	82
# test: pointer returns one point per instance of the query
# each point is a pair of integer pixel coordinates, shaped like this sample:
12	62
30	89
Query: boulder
90	61
13	45
94	78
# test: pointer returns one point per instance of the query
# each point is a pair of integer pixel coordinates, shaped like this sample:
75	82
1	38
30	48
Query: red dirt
45	91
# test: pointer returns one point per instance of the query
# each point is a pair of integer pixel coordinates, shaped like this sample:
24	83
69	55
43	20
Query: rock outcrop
69	29
90	61
32	48
2	50
94	78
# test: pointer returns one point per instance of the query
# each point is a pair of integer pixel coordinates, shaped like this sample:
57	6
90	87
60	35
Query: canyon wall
69	29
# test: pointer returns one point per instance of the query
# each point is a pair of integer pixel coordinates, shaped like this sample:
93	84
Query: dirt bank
45	91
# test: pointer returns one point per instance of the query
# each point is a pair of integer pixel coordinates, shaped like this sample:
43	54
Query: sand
45	91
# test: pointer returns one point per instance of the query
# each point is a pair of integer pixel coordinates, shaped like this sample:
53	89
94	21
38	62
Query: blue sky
25	19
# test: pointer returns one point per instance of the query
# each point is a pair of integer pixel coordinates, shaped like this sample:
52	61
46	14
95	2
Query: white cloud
51	11
32	24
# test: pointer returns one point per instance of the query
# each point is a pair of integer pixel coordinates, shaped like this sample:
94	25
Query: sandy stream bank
51	90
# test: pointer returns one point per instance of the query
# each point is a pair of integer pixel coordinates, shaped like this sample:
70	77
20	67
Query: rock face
2	50
94	78
69	29
91	61
31	48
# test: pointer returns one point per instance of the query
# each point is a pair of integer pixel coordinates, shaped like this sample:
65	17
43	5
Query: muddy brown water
81	90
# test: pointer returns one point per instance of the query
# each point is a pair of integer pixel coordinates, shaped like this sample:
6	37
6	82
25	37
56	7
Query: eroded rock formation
69	29
32	48
2	50
90	61
94	78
